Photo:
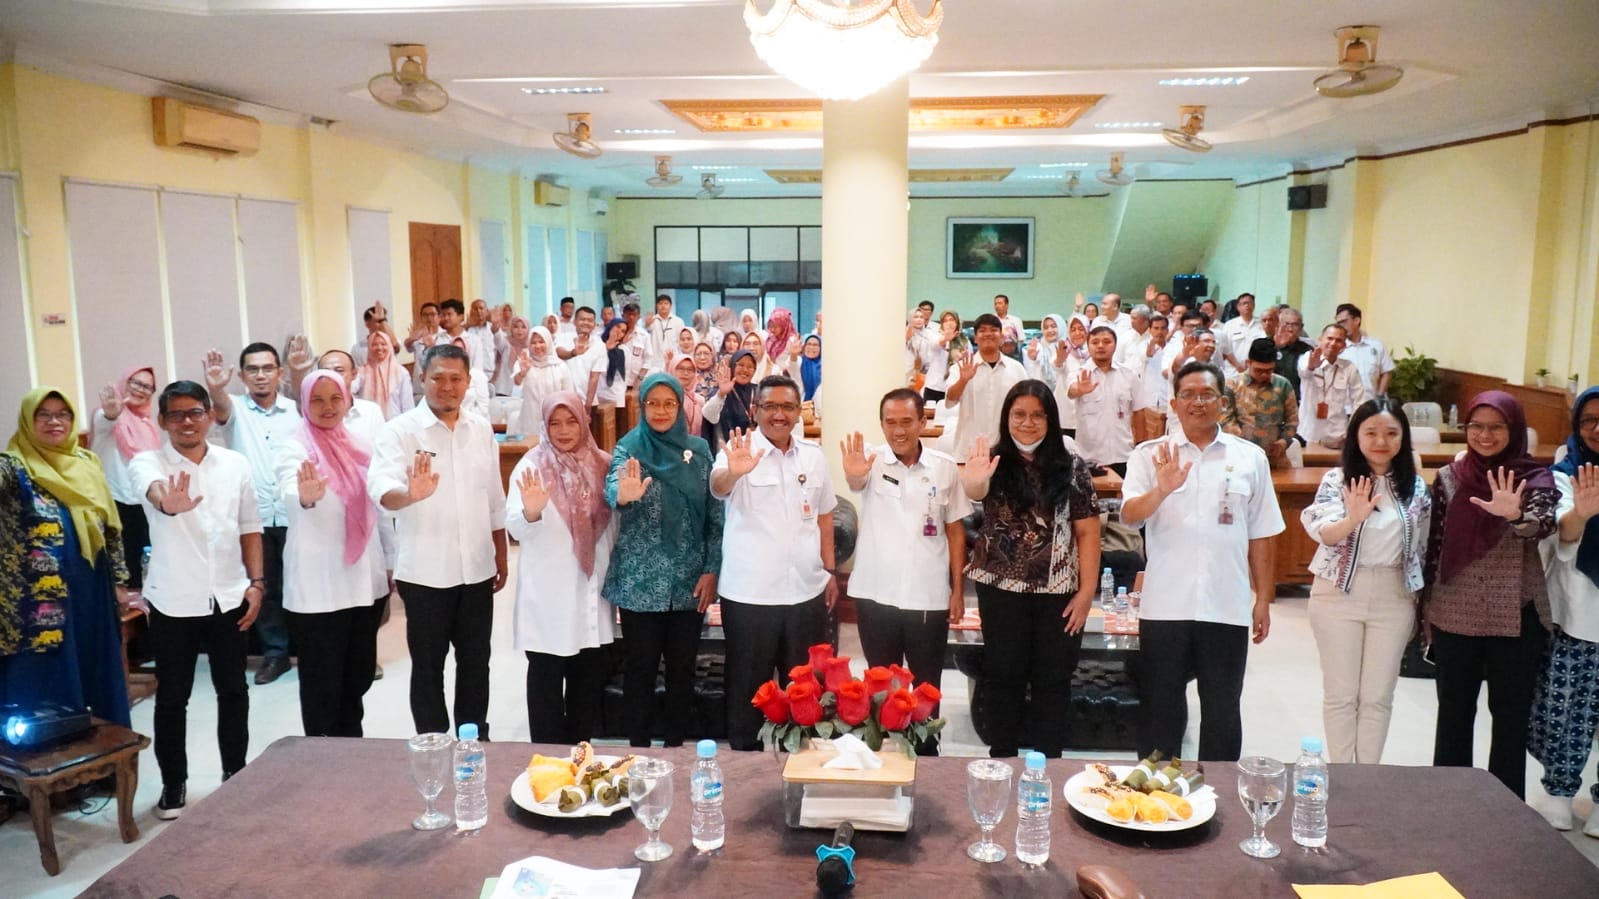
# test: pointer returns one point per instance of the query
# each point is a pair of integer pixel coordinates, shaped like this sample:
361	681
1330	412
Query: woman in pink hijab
383	380
123	427
334	576
688	375
780	333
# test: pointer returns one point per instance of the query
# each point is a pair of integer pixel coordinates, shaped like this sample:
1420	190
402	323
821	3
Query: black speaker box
1307	196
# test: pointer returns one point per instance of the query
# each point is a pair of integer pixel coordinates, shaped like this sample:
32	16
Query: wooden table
511	452
1433	454
107	749
930	431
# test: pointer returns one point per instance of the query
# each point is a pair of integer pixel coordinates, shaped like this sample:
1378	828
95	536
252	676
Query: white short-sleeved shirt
1105	414
614	393
446	540
897	562
1339	386
580	365
104	440
559	609
316	578
982	400
772	539
1238	335
1573	596
255	432
1370	358
640	350
1198	568
195	556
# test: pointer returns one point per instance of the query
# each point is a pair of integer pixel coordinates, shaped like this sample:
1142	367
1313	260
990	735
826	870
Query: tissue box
818	797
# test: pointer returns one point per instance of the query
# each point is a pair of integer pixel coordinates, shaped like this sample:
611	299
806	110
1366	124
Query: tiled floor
1282	696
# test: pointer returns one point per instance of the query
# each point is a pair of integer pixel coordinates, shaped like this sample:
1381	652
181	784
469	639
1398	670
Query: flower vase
1542	381
1571	386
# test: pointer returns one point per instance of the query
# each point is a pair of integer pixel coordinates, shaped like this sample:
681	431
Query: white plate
1203	801
522	795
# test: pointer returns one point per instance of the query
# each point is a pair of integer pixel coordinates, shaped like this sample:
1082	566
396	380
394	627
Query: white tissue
853	755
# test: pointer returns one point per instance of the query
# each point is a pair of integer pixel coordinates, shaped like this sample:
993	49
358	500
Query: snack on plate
1102	772
590	773
605	793
546	775
1096	797
1123	808
1151	811
571	798
582	754
1178	806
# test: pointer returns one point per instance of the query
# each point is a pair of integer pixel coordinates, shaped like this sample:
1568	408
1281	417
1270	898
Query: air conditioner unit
599	205
547	194
180	124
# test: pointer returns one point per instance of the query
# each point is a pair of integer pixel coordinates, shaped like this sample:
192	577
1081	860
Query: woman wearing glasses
1486	606
124	427
668	552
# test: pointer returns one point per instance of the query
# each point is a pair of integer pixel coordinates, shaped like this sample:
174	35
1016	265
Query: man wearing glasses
777	582
263	420
1206	500
205	586
1331	388
1366	352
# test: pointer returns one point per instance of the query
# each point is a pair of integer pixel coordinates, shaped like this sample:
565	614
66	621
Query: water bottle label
712	790
1308	787
463	773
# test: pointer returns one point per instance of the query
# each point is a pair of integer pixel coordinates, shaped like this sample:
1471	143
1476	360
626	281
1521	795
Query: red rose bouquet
822	700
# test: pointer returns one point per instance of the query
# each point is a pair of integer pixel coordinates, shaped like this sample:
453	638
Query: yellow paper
1416	886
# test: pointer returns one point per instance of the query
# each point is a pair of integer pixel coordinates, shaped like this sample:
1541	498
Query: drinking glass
987	793
649	791
1262	784
430	768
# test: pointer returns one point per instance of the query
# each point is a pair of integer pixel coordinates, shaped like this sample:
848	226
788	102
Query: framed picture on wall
989	248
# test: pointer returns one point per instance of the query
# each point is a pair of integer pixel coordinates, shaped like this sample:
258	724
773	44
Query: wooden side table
107	749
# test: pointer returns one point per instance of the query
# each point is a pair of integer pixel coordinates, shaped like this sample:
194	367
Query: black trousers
1170	652
564	695
932	396
176	644
135	537
435	620
1119	467
1026	646
338	653
648	638
271	627
915	639
1511	666
764	642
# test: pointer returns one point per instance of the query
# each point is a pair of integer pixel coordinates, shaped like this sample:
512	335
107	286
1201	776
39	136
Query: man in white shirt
978	384
1238	333
438	468
662	327
424	333
566	323
1209	510
263	419
1331	388
579	347
1130	346
1366	352
776	584
1008	322
1106	395
907	584
205	586
1110	316
376	320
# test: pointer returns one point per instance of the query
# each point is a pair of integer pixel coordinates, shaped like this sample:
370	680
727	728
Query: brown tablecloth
332	817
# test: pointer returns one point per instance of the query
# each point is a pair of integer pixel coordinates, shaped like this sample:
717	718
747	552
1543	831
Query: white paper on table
853	755
867	807
546	878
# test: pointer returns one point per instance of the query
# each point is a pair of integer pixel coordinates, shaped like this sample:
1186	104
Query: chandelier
843	49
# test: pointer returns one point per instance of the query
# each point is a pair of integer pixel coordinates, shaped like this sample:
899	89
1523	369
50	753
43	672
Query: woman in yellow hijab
60	563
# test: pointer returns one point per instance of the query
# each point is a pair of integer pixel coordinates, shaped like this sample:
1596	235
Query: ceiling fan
1072	187
1115	176
709	189
663	174
1358	73
577	138
406	85
1186	135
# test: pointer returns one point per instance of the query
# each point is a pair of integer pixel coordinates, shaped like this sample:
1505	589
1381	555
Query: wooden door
435	264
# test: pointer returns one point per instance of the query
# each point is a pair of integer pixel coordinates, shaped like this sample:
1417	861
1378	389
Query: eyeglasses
179	416
145	386
1481	427
787	408
64	416
260	369
1587	424
661	406
1188	396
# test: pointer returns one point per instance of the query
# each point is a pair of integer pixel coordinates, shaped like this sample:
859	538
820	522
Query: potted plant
1414	377
1572	381
1542	375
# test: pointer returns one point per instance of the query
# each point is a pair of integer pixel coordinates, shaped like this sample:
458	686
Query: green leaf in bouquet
791	740
824	729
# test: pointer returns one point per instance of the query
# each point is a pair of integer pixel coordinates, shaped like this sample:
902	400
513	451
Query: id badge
929	526
1321	410
807	511
1225	516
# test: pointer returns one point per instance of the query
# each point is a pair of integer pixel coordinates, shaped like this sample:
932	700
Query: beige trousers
1361	637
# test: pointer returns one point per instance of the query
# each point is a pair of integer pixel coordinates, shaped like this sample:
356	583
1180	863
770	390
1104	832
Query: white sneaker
1557	811
1592	827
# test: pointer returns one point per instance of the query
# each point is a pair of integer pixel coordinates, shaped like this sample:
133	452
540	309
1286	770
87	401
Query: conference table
1434	453
332	817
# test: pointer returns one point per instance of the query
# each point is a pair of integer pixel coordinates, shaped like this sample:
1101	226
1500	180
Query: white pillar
865	224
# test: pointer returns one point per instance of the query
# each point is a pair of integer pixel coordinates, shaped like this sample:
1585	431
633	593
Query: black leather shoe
272	668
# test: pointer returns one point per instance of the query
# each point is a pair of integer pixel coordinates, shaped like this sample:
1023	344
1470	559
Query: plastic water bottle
1454	415
1310	795
705	790
1122	610
1032	812
144	568
471	802
1107	592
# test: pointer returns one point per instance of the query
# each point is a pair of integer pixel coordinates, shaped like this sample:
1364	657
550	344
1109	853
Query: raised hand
1078	301
1149	293
580	345
857	464
740	461
524	361
1315	358
1060	354
312	487
1504	495
1032	348
631	485
534	496
177	500
420	481
110	402
1085	383
299	353
1154	346
216	375
724	379
1586	485
1359	499
1169	474
968	366
979	467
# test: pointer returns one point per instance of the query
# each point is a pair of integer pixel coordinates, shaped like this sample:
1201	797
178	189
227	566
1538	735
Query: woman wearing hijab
1565	708
60	564
540	374
334	574
607	387
517	336
684	347
1069	357
383	380
558	513
782	339
704	331
810	368
1487	604
732	342
749	323
1040	359
693	404
668	551
124	427
733	407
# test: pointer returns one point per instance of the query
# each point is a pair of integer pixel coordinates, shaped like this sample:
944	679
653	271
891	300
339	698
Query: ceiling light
1042	177
737	180
715	168
1229	81
644	131
589	89
1127	125
843	49
1063	165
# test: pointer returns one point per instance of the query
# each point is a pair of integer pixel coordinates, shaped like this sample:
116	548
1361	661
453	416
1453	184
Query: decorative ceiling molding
1048	111
917	176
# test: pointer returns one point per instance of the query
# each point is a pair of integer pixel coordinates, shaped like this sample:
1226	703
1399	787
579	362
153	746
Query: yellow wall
1250	251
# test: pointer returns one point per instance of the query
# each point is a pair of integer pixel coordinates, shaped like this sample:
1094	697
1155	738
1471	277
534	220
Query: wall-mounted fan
709	189
1115	176
1358	73
577	139
1186	135
663	174
406	85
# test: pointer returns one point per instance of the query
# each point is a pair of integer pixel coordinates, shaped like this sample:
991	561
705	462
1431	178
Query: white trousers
1361	637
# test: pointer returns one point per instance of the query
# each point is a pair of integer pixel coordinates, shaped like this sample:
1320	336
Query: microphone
835	869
